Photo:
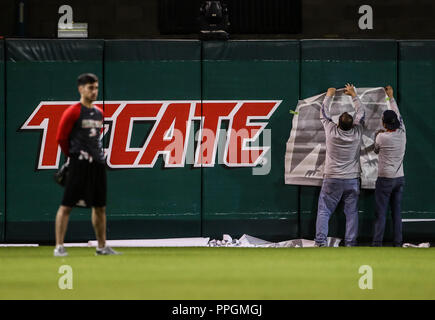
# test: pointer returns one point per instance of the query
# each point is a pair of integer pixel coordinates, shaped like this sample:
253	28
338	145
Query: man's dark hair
390	120
345	121
86	78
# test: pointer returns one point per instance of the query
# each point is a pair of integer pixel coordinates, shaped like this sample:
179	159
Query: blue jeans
388	191
333	190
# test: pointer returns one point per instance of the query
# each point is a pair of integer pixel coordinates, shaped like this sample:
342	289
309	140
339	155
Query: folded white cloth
421	245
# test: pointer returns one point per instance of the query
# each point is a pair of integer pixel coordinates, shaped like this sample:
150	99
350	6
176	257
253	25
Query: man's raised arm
390	93
324	109
359	108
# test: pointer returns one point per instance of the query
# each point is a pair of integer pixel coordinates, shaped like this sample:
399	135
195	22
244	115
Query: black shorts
86	184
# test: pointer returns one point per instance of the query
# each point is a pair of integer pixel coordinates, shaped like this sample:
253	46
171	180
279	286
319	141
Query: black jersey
80	129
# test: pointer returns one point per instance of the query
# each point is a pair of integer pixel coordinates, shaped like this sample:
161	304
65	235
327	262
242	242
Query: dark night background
111	19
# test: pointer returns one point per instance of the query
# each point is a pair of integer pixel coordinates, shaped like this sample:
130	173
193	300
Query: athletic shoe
106	251
60	251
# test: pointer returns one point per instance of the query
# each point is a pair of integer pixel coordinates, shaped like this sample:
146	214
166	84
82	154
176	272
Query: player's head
88	86
390	120
345	122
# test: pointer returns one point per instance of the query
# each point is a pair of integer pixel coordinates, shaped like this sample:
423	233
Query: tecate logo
170	134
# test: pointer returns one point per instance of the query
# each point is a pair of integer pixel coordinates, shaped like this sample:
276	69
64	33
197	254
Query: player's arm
324	109
67	121
359	108
390	93
102	114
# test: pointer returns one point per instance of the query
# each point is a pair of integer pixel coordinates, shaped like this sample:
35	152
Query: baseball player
79	135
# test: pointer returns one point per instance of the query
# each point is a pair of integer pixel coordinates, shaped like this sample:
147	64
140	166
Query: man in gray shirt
342	168
390	145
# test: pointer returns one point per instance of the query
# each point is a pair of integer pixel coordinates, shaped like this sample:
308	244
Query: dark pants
388	191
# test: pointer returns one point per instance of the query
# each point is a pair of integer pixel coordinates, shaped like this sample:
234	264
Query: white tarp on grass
246	241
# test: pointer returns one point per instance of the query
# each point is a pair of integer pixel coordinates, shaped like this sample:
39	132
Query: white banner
305	152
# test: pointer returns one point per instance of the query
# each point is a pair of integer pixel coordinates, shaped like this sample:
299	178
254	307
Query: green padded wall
333	63
158	201
191	200
41	70
416	102
234	200
2	141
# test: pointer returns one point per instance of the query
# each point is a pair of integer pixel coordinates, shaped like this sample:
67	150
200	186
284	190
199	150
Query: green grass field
219	273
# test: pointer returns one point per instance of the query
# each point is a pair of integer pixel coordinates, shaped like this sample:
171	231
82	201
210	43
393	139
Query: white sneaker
60	251
106	251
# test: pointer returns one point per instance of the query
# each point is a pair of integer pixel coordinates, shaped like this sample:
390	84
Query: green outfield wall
40	70
149	88
153	202
2	140
234	200
416	83
332	63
